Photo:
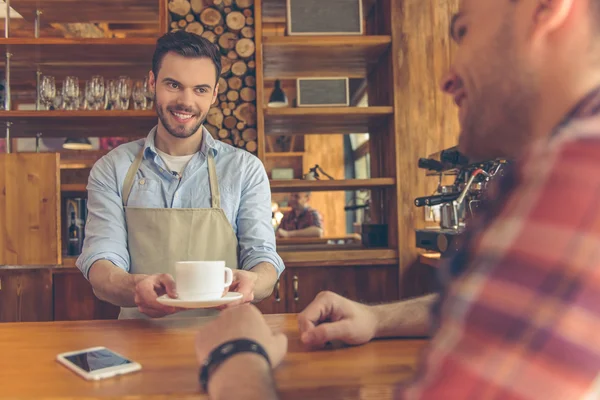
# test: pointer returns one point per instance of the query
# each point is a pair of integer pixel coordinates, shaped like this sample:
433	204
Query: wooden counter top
169	368
335	257
317	240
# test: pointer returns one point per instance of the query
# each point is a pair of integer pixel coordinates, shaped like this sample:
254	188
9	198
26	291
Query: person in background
178	195
301	220
520	312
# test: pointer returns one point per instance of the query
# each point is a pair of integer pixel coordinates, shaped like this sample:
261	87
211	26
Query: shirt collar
208	143
586	107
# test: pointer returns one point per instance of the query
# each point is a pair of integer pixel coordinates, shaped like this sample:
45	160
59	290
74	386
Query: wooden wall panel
425	118
30	209
25	295
75	300
328	152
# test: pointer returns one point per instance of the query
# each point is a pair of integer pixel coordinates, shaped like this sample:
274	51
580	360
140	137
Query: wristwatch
224	352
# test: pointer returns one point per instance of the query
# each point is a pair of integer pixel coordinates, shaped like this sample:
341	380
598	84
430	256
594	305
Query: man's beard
498	120
181	131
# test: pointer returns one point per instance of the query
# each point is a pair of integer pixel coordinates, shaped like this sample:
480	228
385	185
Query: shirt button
142	181
162	170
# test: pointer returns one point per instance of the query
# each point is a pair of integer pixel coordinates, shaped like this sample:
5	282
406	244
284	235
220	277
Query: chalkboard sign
324	92
324	17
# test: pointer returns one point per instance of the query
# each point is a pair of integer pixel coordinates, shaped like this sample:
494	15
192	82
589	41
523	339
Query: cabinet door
30	209
276	303
75	300
364	284
25	295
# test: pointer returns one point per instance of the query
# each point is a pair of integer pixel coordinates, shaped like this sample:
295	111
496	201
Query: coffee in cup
201	280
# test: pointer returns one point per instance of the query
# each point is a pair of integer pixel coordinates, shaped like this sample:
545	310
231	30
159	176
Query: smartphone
97	363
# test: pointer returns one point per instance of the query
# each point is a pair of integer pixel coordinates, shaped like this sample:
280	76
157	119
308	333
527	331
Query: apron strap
129	178
214	183
212	175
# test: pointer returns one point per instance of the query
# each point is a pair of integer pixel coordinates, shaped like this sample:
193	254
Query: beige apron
158	237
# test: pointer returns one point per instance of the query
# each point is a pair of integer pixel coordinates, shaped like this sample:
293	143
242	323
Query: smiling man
178	195
520	312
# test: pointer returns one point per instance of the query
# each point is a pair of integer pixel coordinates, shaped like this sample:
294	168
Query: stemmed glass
112	95
70	92
148	93
96	92
138	96
48	90
124	89
90	101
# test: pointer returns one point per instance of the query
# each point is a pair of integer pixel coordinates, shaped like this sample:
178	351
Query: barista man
178	195
302	220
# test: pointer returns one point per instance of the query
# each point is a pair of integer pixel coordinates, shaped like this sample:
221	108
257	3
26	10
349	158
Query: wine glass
111	95
90	100
70	92
148	93
48	90
124	89
97	91
138	96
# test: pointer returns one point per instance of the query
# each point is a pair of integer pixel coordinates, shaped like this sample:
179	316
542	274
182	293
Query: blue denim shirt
243	183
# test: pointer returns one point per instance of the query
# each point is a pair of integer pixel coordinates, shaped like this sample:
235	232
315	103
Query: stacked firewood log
229	24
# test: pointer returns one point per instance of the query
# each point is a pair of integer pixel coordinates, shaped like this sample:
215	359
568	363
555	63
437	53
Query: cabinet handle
296	297
0	283
277	297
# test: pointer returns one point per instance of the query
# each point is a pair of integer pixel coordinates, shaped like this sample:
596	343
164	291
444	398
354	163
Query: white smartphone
97	363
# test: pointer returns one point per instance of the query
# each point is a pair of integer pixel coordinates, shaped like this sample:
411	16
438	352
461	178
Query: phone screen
95	360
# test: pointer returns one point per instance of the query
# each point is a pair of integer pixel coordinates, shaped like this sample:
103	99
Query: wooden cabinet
30	209
75	300
300	285
25	295
276	303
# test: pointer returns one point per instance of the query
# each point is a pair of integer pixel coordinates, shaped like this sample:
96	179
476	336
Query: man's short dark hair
186	44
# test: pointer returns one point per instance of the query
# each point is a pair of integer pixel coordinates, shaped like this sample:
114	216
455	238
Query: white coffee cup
202	280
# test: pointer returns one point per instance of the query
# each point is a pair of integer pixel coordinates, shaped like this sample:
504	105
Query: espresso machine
452	205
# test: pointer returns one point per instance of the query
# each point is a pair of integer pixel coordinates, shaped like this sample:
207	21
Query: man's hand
149	289
240	322
282	233
244	283
333	317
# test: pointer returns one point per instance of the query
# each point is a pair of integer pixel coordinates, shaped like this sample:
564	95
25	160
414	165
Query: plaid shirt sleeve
523	322
315	219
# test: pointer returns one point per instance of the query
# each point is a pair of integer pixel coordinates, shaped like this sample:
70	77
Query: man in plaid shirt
519	317
302	220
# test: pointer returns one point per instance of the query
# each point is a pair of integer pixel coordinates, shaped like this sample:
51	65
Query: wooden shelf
78	52
284	154
62	11
301	185
363	257
73	187
77	164
79	123
322	56
303	121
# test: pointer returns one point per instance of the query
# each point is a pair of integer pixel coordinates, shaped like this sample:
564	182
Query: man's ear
549	16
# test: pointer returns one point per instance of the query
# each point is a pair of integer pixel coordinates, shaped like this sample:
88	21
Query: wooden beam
362	150
425	118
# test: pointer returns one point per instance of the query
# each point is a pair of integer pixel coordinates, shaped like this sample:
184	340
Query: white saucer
228	298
